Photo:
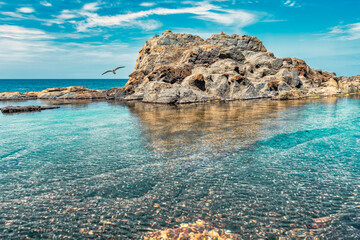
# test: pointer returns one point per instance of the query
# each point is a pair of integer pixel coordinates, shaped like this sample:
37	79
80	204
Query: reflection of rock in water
206	128
198	230
23	109
81	103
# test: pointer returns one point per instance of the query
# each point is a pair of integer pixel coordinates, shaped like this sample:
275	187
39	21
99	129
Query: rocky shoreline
64	93
61	97
183	68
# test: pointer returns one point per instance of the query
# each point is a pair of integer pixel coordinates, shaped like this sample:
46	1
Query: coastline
85	94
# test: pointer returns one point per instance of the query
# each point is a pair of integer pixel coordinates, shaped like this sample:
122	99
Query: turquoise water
263	169
27	85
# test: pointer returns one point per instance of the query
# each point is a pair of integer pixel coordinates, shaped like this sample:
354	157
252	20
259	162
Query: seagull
113	71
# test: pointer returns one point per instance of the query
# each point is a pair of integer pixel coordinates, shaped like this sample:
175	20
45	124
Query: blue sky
82	38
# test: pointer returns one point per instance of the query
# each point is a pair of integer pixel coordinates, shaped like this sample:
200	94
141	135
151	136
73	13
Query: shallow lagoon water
262	169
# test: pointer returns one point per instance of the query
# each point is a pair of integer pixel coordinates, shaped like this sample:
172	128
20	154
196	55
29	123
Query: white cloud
290	3
66	14
17	32
22	43
35	53
203	10
21	16
45	3
346	32
24	58
239	18
13	14
20	50
26	10
147	4
91	7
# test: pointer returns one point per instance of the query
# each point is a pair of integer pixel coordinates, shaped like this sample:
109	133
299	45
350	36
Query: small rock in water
19	109
322	220
315	225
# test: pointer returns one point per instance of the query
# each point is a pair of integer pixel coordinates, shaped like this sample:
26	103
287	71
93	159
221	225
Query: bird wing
106	72
118	68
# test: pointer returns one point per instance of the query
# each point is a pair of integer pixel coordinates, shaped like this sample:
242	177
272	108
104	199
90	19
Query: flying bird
113	71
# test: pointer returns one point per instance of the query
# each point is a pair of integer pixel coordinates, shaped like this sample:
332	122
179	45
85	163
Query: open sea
262	169
27	85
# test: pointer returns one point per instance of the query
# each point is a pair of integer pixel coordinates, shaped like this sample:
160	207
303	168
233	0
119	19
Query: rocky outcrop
20	109
183	68
18	96
56	93
71	93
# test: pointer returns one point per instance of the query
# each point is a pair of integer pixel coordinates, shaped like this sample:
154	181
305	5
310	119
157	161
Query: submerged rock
183	68
19	109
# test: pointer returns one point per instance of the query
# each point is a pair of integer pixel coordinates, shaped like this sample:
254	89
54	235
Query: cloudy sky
81	38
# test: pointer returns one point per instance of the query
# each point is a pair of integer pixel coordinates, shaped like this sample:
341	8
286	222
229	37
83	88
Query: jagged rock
242	42
198	82
160	92
182	68
168	74
19	109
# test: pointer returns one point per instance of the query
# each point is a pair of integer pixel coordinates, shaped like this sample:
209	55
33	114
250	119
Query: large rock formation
182	68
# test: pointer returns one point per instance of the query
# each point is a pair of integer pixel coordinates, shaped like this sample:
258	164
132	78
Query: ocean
262	169
27	85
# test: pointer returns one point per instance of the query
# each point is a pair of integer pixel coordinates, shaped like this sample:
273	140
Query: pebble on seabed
198	230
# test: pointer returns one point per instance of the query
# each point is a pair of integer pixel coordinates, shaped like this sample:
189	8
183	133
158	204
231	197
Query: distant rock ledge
56	93
183	68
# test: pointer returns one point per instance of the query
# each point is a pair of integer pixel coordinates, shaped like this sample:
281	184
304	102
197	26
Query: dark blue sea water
26	85
262	169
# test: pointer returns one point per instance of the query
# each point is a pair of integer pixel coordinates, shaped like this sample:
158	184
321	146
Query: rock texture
183	68
56	93
71	93
19	109
18	96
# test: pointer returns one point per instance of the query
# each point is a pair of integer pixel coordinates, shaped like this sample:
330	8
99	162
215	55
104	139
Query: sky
83	38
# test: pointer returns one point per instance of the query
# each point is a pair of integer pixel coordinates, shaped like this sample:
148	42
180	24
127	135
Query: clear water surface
263	169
